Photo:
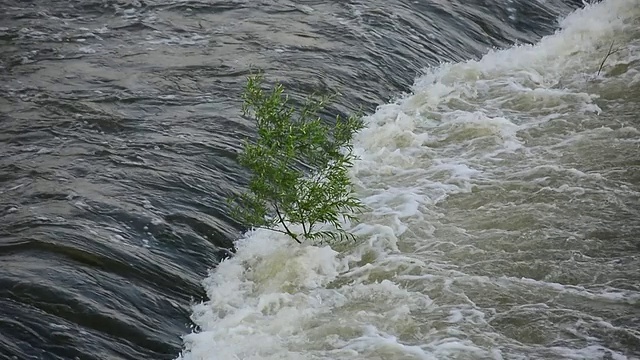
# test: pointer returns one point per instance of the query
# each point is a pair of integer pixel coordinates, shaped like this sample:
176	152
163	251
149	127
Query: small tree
299	166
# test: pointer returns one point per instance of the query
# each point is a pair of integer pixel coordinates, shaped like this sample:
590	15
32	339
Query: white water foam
391	295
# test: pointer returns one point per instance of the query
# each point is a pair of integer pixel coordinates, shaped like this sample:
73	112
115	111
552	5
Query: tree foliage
299	166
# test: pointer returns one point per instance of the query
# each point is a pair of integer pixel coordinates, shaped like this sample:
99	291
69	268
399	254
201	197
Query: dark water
119	125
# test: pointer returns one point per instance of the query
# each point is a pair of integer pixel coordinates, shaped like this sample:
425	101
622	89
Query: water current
500	166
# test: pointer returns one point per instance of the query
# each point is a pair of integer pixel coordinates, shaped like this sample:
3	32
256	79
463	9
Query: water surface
502	188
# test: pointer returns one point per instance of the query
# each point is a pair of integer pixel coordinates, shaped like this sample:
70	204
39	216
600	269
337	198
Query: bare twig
609	53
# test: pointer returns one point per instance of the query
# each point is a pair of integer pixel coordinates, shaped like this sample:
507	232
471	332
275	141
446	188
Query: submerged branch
609	53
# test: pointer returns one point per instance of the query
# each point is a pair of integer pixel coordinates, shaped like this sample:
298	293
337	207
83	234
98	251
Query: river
500	167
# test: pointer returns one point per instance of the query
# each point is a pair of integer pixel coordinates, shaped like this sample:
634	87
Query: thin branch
301	215
285	225
609	53
304	228
271	229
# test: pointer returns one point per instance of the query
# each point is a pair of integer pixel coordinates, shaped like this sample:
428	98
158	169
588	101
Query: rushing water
503	186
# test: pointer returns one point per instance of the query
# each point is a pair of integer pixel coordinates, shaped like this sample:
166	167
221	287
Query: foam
451	135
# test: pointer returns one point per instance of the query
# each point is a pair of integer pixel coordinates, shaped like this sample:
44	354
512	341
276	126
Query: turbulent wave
503	196
502	187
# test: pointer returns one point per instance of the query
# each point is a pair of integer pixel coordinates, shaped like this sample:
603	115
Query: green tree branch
317	192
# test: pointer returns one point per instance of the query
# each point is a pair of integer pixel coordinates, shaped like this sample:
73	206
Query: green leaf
280	190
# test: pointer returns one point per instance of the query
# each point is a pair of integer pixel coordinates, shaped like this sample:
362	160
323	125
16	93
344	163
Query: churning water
503	224
503	187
